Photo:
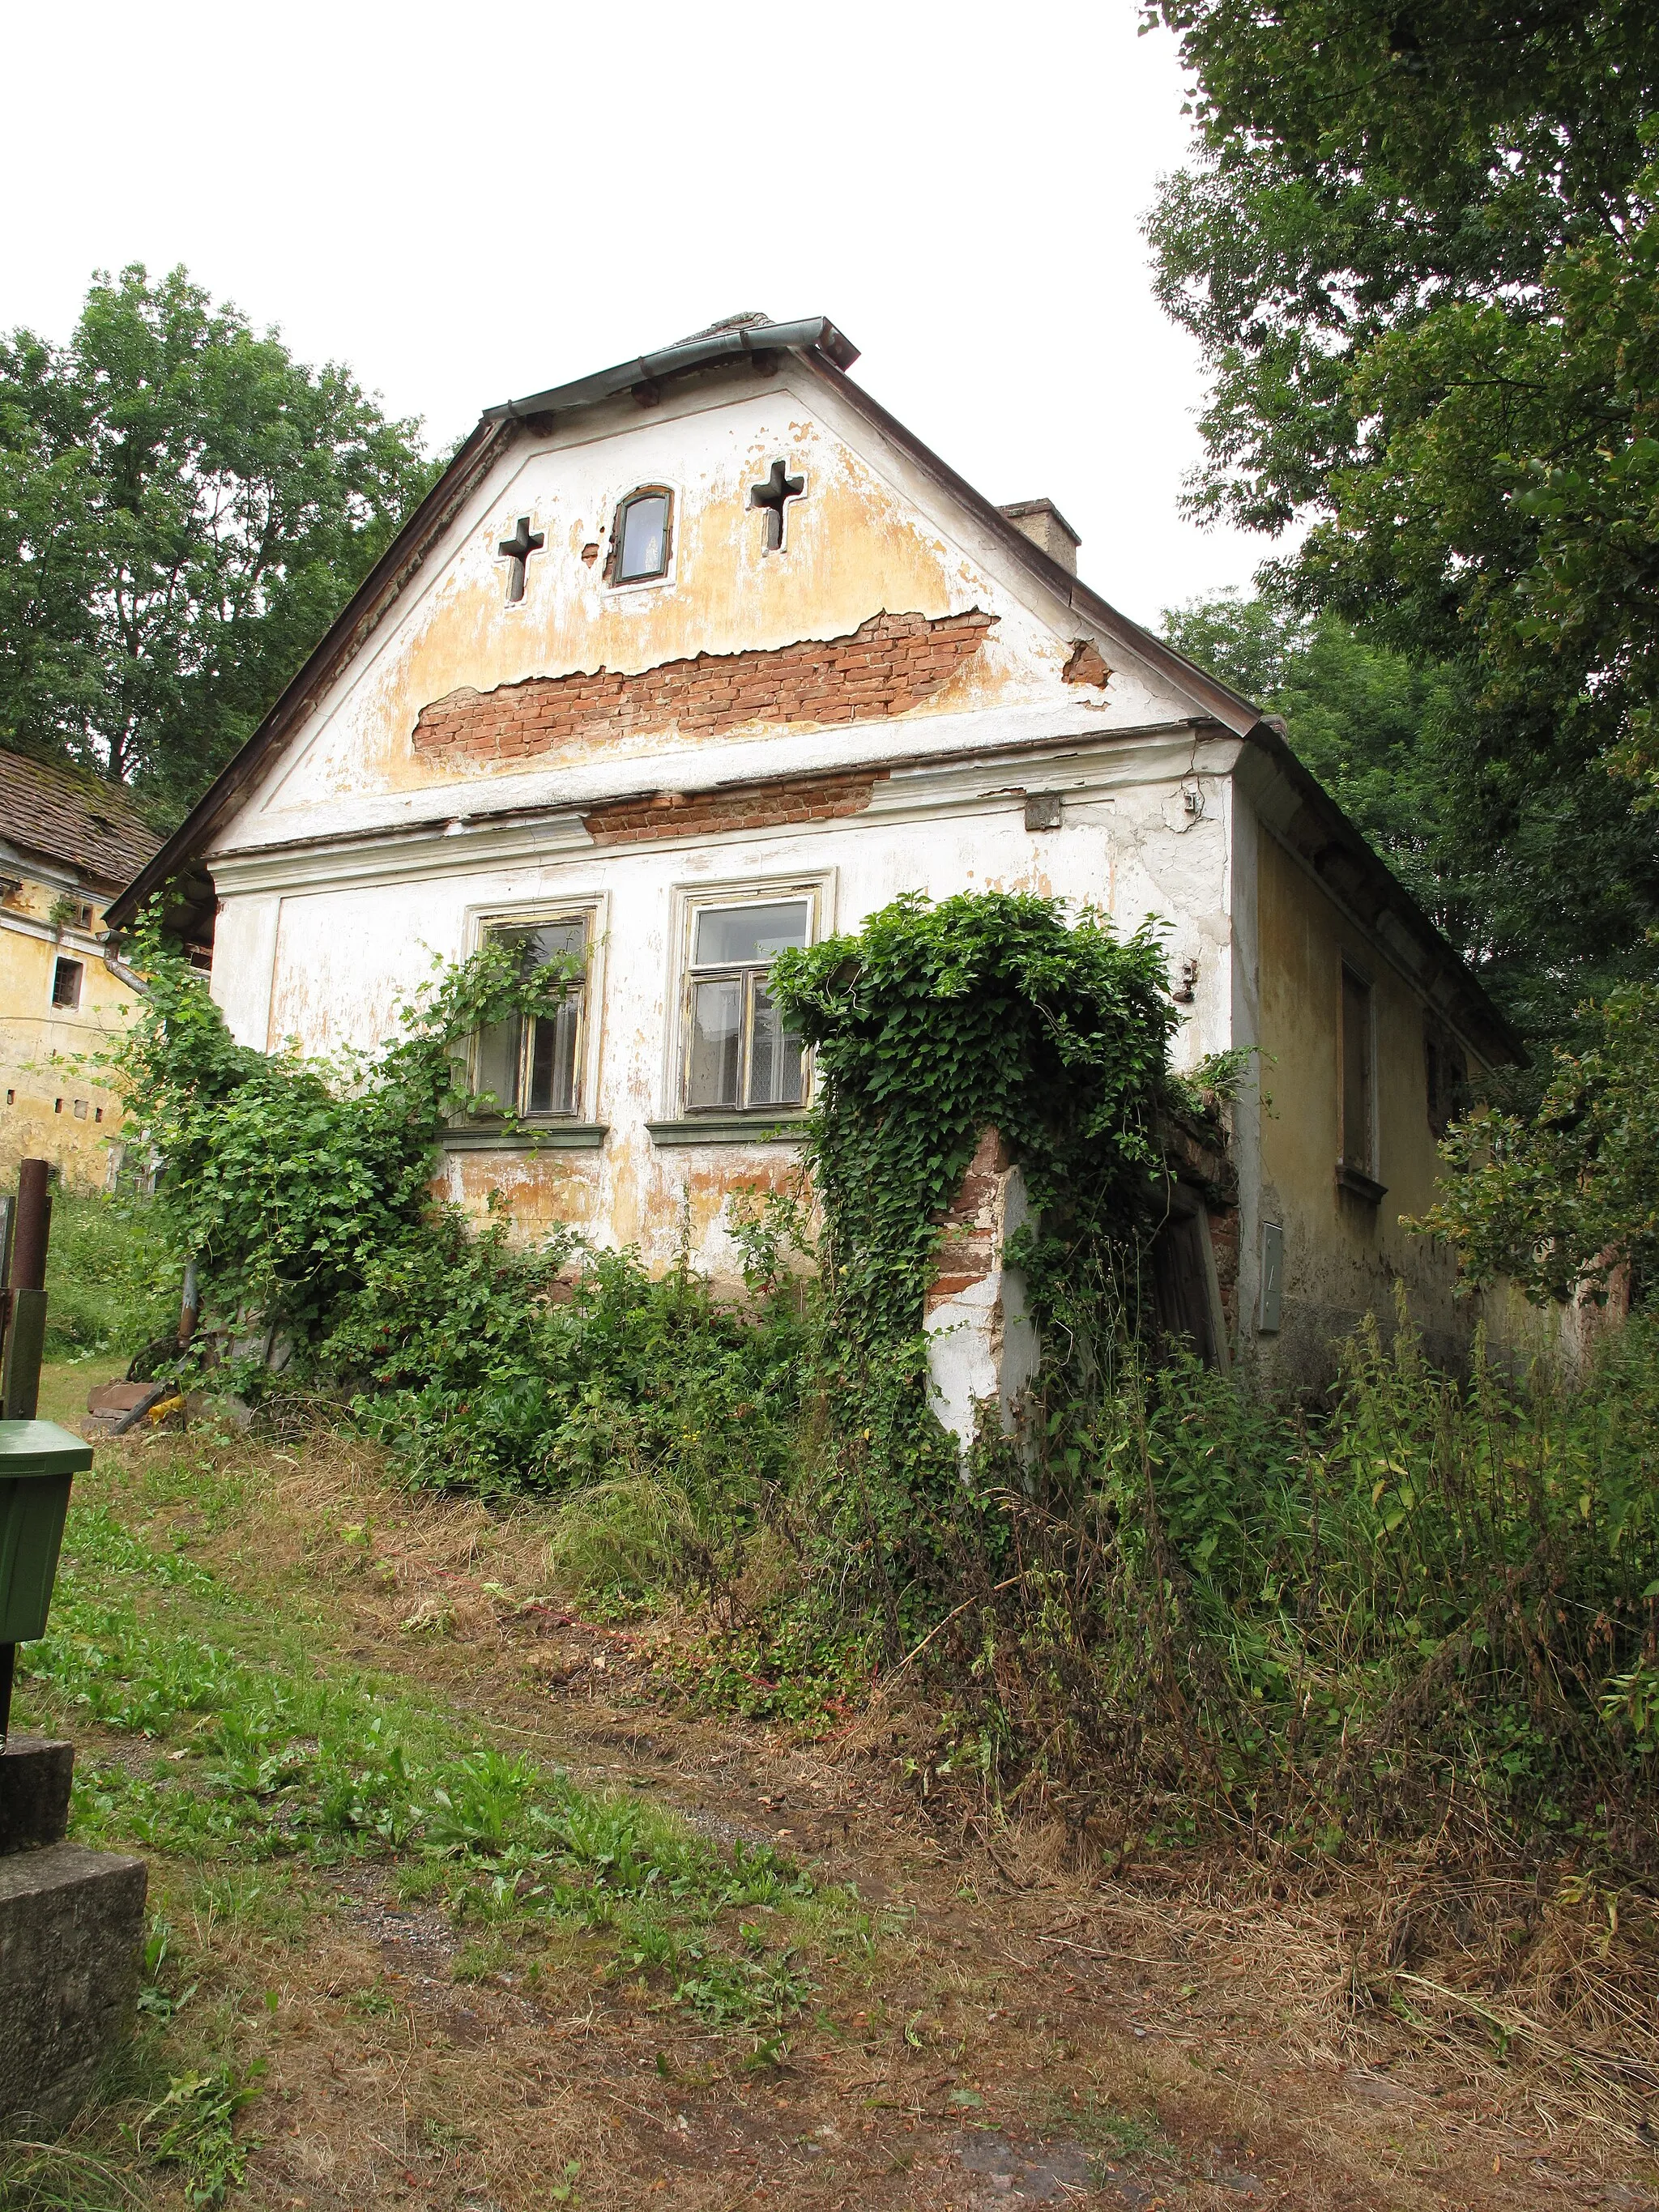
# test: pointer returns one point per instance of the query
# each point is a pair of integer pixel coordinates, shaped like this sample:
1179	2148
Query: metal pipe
120	970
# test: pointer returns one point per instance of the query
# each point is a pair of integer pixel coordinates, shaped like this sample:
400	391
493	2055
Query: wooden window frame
589	911
812	892
613	575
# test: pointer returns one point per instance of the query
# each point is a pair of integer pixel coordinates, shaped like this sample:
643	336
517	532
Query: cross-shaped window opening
772	497
641	540
532	1064
516	551
739	1055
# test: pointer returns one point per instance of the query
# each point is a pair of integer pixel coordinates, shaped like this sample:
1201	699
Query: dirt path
1014	2034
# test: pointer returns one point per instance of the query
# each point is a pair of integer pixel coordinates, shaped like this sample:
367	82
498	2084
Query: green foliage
1435	1605
291	1181
1559	1199
936	1022
1419	253
1164	1602
932	1025
110	1283
184	507
193	2127
558	1368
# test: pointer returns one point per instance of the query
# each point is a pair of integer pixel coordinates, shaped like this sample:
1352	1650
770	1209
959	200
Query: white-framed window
539	1067
736	1054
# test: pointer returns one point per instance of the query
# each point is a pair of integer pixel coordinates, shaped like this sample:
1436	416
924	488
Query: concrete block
71	1936
35	1772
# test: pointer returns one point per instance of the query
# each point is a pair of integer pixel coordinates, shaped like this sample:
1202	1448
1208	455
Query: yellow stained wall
1342	1254
50	1108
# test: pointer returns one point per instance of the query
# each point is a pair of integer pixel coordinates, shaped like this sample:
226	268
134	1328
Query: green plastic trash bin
36	1461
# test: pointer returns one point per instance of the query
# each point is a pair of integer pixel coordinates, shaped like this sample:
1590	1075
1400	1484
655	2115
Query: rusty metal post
25	1337
28	1250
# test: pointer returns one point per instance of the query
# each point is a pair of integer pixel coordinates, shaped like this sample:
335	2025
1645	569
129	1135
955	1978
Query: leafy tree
1419	249
1557	1201
184	507
1541	883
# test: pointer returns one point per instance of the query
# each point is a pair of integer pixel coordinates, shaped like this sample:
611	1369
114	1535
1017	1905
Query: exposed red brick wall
884	667
1224	1242
968	1228
767	805
1087	664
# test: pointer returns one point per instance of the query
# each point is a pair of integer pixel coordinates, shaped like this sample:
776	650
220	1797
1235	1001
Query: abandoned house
70	843
705	655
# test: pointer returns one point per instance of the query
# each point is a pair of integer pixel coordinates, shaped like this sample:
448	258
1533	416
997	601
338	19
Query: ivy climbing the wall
932	1025
986	1010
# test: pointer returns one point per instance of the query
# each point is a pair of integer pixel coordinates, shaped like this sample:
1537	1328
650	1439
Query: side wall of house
1343	1254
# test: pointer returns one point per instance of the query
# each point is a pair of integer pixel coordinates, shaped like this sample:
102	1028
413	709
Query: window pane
774	1055
644	535
728	935
553	1059
716	1042
547	941
498	1064
66	983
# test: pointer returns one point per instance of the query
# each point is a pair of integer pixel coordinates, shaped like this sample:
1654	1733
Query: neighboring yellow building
69	842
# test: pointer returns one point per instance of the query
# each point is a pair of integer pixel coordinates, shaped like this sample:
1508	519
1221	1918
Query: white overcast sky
467	203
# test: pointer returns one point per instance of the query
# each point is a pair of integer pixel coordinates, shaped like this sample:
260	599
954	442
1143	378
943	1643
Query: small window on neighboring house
533	1067
80	1109
738	1054
641	537
97	1113
1358	1151
66	983
56	1105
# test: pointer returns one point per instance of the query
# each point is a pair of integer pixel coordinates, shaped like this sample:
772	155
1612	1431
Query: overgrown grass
112	1284
1174	1595
222	1735
1435	1606
280	1755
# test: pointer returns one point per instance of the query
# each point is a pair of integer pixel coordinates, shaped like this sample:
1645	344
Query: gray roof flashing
815	332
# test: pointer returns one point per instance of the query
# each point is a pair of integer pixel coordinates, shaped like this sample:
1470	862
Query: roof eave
816	333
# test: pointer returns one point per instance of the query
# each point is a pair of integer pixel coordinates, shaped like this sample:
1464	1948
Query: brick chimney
1042	521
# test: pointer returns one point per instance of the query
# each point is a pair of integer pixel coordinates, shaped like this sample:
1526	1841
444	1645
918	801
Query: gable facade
687	666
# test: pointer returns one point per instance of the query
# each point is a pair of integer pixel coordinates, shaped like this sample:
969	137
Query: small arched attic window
641	537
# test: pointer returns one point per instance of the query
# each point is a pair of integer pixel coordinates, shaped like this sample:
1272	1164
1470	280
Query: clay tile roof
66	814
